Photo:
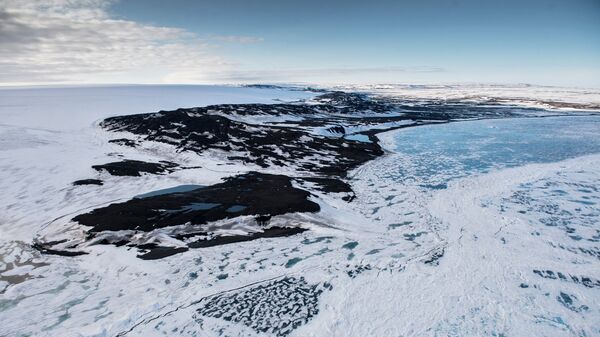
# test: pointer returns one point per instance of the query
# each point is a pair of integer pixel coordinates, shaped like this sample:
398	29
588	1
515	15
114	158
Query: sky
544	42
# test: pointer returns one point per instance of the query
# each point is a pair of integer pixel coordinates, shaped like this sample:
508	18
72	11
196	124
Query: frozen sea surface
504	219
436	154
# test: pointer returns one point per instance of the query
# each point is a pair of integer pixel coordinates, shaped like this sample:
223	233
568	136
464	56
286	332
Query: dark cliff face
253	193
135	168
259	195
197	130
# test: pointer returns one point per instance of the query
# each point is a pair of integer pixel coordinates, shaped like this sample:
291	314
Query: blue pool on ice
176	189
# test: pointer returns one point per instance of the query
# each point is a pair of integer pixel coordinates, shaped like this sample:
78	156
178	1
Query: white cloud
237	38
77	41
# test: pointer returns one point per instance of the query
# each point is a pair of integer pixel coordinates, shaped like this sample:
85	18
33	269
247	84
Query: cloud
77	41
237	39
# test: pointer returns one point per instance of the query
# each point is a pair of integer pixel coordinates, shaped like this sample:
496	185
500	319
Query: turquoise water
358	137
432	155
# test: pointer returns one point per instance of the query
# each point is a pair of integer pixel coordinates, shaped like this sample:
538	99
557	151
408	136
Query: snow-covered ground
68	108
459	230
523	94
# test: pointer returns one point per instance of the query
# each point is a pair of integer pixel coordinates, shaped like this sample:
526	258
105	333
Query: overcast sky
231	41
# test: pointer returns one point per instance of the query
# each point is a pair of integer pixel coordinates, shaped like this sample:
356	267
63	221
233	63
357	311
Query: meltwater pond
176	189
432	155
